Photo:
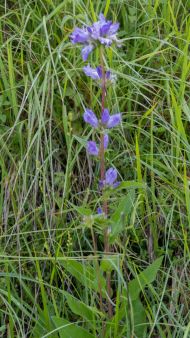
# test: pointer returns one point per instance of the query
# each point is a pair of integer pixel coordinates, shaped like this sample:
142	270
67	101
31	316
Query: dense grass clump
50	274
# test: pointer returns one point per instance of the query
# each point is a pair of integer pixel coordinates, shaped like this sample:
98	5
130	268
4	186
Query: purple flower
102	31
105	116
107	120
99	211
108	75
96	73
110	176
110	179
91	72
110	121
111	77
80	35
114	120
105	27
99	71
106	141
90	117
86	51
92	148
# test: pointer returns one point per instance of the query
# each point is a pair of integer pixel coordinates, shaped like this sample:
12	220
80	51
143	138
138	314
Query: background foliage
48	277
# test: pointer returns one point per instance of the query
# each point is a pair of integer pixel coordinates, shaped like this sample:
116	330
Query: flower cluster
106	121
101	32
92	147
110	179
96	74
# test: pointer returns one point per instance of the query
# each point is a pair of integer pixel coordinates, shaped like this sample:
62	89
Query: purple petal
116	184
105	41
114	120
113	78
79	35
108	74
105	116
113	28
99	71
96	30
99	211
101	184
91	72
105	28
106	141
89	29
102	17
90	117
111	176
86	51
92	148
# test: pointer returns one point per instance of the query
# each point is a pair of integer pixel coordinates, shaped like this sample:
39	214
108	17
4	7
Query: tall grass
48	279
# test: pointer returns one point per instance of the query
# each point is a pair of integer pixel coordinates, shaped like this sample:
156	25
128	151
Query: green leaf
139	318
130	184
3	118
123	210
80	308
84	211
109	263
3	329
107	7
144	278
70	330
85	274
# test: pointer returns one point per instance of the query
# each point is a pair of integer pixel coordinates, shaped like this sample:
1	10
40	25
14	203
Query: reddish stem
97	269
102	176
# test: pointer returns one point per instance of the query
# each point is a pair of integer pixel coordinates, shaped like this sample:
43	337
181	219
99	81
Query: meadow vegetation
50	274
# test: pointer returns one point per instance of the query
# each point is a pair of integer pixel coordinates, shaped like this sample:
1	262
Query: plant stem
102	177
97	269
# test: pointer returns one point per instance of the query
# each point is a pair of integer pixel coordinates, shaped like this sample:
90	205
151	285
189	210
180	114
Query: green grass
49	275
